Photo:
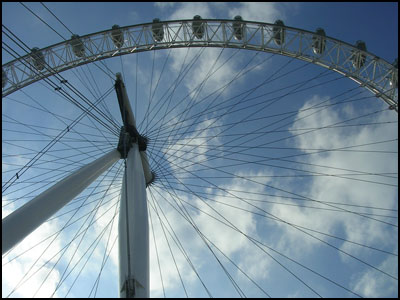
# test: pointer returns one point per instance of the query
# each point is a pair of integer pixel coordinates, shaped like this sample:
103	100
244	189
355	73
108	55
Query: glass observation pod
77	46
198	27
158	30
279	32
4	78
358	58
238	27
117	36
38	58
319	41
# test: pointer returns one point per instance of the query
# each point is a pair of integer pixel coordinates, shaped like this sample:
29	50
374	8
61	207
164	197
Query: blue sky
198	169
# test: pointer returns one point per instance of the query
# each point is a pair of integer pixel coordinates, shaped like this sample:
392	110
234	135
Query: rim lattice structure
375	74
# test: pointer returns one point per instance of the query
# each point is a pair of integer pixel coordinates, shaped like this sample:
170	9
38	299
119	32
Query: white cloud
15	271
333	189
187	156
229	240
267	12
249	257
75	255
180	229
209	73
234	244
187	10
371	284
164	4
251	11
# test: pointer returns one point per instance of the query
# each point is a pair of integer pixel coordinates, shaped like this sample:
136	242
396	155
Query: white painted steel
133	236
146	167
24	220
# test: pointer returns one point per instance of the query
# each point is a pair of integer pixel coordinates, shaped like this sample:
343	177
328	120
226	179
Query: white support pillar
133	235
23	221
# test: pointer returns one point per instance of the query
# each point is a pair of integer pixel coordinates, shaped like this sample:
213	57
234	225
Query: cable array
241	175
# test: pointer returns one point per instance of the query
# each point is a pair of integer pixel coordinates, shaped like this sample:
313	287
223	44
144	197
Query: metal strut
129	288
129	133
127	137
20	223
134	274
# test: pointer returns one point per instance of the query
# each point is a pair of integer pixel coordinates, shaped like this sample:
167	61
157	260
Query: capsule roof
361	45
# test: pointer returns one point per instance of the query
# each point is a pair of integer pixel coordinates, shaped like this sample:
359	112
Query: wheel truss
375	74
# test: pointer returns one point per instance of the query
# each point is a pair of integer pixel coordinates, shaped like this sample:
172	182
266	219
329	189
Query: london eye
210	155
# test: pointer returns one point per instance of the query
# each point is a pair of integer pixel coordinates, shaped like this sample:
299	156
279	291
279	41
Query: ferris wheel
210	171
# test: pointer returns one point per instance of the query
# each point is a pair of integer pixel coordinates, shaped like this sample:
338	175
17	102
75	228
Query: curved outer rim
376	74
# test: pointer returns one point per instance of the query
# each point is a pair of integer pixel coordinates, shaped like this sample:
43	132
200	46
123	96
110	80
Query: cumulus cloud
338	190
187	10
252	11
164	4
371	284
16	272
71	247
225	196
267	12
171	233
218	206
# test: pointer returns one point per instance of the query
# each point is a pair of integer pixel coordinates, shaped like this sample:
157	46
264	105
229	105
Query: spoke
270	166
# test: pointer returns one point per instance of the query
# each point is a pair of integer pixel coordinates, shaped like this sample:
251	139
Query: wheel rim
179	144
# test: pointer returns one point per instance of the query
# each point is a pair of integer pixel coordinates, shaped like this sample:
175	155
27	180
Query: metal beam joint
127	137
128	288
125	142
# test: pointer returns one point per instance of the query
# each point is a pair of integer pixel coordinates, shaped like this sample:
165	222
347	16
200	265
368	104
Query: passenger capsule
319	41
198	27
77	46
279	32
158	30
38	58
358	58
4	78
238	28
117	36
